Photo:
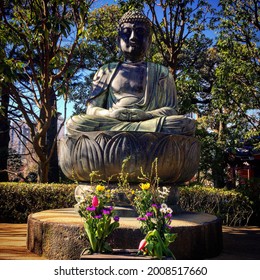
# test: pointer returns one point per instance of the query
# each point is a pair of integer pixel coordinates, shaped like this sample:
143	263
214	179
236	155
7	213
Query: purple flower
106	211
142	218
169	215
98	216
149	214
156	206
116	218
168	226
91	208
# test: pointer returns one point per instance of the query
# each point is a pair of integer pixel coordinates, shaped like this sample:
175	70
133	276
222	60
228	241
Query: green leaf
158	250
91	236
107	247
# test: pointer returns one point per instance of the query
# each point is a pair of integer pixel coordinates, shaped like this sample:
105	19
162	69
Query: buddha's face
134	40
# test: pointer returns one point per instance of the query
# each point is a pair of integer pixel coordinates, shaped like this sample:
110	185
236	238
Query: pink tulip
142	245
95	201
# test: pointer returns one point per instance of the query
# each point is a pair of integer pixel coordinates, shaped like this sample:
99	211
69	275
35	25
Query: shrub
234	208
18	200
252	190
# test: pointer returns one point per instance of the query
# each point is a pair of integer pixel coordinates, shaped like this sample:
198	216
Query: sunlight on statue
133	95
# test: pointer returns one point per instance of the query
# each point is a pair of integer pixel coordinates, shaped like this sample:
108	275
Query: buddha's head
134	35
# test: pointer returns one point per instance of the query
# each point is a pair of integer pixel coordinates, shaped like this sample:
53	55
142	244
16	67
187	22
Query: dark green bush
18	200
252	190
233	207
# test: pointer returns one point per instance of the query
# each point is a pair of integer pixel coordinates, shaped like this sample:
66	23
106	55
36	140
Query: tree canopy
47	36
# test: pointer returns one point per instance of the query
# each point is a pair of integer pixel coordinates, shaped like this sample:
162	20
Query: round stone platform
56	235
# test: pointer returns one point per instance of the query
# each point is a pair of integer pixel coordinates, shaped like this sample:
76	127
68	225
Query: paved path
13	243
240	243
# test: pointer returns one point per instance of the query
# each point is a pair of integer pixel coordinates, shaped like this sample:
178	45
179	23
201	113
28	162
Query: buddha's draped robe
159	93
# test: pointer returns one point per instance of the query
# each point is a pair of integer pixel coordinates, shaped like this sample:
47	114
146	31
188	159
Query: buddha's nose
133	37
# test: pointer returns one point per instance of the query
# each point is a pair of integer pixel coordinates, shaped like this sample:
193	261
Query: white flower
163	210
164	205
166	190
169	210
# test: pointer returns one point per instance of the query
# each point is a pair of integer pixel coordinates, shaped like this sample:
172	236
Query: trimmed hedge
234	208
19	200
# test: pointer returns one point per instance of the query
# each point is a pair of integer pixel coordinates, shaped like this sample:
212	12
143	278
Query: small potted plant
155	217
99	218
149	201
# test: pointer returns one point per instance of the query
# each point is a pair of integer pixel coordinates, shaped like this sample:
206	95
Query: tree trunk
43	172
53	172
4	132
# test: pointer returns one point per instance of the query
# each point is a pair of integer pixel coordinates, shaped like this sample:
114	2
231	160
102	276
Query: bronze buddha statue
133	95
131	112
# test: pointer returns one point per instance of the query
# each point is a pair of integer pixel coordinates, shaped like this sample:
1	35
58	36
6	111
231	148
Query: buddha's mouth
133	45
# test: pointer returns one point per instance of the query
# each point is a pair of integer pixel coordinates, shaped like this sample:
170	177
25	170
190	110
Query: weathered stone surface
178	155
55	234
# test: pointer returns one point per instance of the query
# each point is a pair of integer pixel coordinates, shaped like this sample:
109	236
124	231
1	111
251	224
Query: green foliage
18	200
222	88
100	48
231	113
14	163
234	208
102	34
127	5
212	164
240	20
151	208
41	54
154	214
99	218
235	94
158	246
220	83
252	191
179	24
196	77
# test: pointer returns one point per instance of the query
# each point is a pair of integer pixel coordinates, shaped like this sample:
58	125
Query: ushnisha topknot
134	16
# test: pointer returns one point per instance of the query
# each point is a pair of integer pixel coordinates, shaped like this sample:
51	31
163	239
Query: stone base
56	235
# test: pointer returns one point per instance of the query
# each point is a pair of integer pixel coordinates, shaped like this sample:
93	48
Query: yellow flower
132	192
100	188
145	186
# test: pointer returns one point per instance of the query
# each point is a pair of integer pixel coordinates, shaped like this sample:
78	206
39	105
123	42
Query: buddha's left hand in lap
125	114
122	114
